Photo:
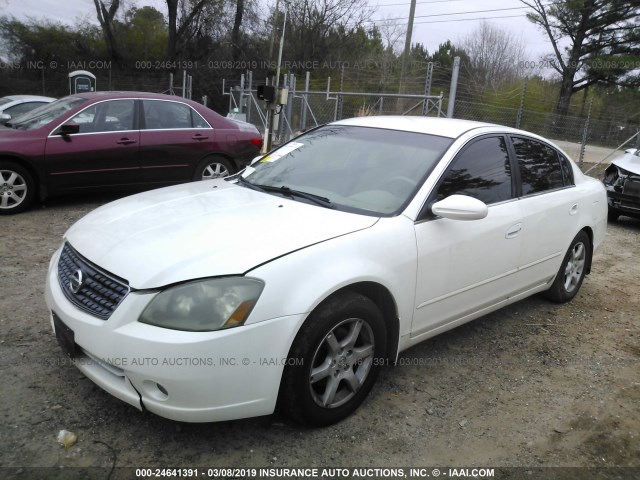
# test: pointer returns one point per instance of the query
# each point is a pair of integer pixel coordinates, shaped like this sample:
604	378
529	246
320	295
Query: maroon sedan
117	140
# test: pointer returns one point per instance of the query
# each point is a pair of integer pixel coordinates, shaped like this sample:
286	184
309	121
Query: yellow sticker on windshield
281	152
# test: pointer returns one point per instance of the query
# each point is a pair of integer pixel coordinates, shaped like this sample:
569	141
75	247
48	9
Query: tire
572	271
17	188
613	214
334	360
213	167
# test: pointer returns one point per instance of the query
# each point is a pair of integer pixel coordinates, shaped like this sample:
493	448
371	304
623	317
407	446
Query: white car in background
295	281
13	106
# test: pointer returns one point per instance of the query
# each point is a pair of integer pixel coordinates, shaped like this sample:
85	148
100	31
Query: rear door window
539	165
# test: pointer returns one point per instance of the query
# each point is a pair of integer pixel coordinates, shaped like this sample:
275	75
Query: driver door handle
125	141
513	231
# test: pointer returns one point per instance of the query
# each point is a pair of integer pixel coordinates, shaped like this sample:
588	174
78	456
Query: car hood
8	134
202	229
629	162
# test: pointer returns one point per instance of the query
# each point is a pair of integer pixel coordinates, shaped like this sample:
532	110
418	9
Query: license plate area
65	336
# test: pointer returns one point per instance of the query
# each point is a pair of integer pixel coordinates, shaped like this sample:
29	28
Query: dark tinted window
567	172
539	166
481	171
163	115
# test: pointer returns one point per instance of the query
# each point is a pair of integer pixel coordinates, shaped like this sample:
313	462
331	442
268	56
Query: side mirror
460	207
68	128
4	118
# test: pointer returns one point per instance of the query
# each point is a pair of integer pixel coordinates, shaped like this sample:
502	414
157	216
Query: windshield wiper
284	190
317	199
246	183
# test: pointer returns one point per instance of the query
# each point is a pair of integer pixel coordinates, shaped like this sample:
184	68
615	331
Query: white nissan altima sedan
293	282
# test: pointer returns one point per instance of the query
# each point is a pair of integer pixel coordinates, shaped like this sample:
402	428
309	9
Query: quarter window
481	171
539	164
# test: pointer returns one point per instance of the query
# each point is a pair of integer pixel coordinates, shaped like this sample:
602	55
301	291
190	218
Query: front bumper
625	200
185	376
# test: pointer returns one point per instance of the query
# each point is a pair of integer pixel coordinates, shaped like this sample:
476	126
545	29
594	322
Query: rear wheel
572	271
613	214
17	188
213	167
334	360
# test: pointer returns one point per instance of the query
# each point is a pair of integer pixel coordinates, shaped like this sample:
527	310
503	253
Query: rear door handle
125	141
513	231
197	136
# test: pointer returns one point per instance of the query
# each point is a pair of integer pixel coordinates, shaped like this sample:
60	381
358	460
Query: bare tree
603	36
235	32
391	32
312	23
183	14
495	56
106	14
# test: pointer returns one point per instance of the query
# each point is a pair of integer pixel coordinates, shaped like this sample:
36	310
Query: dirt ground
533	385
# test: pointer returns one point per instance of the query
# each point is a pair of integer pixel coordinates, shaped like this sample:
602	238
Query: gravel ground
532	385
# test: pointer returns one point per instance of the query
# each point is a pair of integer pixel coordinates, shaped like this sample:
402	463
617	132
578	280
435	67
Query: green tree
603	38
144	33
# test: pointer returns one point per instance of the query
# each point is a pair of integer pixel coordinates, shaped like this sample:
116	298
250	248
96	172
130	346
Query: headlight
204	305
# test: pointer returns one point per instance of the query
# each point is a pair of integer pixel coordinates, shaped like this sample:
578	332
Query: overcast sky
433	25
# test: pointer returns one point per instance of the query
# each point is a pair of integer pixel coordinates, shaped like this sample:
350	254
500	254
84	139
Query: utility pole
454	87
407	45
274	31
273	106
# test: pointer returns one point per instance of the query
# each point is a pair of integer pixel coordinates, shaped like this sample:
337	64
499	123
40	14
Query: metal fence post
340	97
304	103
250	93
585	132
454	86
290	97
241	99
427	89
521	107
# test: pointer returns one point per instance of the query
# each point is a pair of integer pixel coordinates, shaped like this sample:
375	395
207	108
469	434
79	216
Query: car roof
444	127
127	94
24	98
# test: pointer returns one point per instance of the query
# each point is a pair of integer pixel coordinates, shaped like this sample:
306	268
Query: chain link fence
349	91
306	108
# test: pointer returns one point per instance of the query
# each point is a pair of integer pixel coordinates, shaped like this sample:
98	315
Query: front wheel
213	167
334	360
17	188
572	271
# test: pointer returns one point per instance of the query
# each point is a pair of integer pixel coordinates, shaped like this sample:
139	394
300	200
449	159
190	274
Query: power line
453	20
460	13
468	19
418	3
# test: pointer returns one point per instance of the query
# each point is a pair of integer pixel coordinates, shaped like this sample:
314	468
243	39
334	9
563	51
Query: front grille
89	287
632	187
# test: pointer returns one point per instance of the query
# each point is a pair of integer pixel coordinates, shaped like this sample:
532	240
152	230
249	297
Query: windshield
365	170
46	113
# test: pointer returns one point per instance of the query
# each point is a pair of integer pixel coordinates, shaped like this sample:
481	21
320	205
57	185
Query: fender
361	256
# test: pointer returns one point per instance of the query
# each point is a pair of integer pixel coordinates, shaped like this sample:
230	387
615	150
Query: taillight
257	142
